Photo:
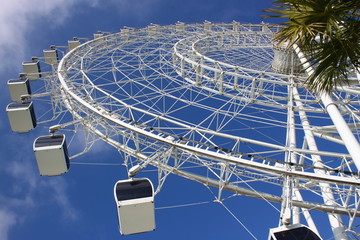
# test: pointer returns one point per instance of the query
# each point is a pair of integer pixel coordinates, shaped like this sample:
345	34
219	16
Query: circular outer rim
67	92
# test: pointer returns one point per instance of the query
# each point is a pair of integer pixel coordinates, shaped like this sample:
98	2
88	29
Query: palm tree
327	31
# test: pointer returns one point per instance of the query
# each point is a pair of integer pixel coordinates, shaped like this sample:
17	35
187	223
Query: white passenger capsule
135	205
51	155
21	116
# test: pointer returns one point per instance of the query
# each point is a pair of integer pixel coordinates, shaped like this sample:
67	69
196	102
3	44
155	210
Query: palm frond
327	31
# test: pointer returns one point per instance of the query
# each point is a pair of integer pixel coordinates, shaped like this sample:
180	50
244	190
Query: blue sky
80	204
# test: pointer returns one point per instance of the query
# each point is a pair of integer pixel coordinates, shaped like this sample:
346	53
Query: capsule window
133	190
295	232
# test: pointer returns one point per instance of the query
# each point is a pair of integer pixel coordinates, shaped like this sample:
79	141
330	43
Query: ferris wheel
219	104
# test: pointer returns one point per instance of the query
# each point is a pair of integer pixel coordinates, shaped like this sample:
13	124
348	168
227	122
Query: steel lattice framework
212	103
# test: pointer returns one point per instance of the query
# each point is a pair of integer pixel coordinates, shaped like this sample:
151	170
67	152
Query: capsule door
135	205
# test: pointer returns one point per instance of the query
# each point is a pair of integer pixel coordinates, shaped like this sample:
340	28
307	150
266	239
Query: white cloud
26	183
26	193
17	18
58	187
23	172
7	221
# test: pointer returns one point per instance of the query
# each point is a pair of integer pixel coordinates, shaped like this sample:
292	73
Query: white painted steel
341	125
204	97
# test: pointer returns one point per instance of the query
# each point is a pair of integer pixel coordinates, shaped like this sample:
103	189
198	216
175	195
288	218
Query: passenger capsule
32	70
51	56
21	116
135	205
51	155
73	44
18	88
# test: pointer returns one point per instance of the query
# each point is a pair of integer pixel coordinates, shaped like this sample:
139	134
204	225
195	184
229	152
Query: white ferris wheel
213	103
